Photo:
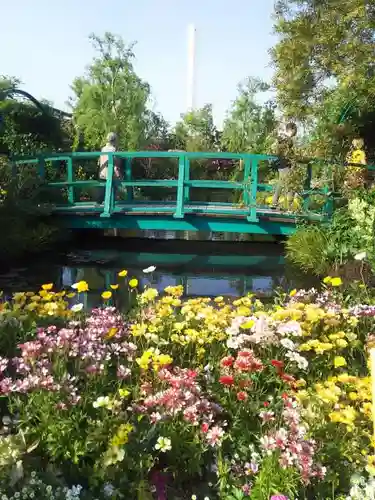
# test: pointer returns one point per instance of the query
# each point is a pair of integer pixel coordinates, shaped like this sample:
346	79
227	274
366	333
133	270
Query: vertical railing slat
246	179
179	213
128	177
187	178
252	217
70	177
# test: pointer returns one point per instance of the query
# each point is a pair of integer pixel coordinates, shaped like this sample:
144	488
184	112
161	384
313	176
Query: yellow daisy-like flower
336	281
81	286
106	295
133	283
123	273
339	361
114	287
47	286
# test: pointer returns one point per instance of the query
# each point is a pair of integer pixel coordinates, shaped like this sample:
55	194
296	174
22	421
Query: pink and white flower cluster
292	443
89	349
183	396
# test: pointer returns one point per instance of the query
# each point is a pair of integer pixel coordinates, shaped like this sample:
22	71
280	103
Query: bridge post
128	177
246	179
179	213
69	163
187	178
252	217
109	197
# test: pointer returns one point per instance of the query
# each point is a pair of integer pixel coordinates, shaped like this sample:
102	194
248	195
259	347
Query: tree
323	44
248	125
196	131
111	96
28	127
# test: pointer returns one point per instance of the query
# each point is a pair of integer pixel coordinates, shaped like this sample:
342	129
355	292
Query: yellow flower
124	393
327	280
106	295
47	287
133	283
114	287
341	343
293	293
248	325
81	286
336	281
339	361
219	299
112	332
123	273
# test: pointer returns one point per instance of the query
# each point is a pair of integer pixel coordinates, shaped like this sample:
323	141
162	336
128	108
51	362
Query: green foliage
27	129
111	97
24	215
248	126
306	249
318	43
196	131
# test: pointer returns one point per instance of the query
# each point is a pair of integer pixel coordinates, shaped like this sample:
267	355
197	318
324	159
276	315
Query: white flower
108	490
360	256
101	402
163	444
150	269
297	358
77	308
288	344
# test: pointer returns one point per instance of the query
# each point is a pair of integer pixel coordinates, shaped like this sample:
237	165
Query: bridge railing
248	185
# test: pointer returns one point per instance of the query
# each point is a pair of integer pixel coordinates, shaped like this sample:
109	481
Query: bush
216	398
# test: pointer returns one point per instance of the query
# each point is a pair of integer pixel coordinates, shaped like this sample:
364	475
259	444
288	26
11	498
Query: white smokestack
191	67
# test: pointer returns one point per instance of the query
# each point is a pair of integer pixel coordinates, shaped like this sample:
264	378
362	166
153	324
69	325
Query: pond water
205	268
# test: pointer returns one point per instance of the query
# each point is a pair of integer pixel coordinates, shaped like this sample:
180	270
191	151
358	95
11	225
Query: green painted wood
69	165
128	177
42	168
208	184
109	198
179	213
151	183
187	180
91	183
252	217
170	223
246	181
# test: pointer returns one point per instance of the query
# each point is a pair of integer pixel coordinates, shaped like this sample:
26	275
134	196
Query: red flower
227	361
242	396
245	354
285	396
277	364
226	380
205	427
266	404
289	379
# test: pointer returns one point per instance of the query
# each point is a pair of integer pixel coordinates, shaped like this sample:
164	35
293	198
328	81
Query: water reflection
226	269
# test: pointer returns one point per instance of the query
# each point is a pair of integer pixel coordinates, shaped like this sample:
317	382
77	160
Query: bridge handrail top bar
141	154
62	156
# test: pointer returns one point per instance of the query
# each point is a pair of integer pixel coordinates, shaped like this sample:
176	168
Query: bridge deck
202	209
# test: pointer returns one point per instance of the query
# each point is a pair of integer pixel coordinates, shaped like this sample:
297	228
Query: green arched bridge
179	202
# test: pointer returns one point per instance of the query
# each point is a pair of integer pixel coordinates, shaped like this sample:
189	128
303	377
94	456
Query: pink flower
214	436
279	497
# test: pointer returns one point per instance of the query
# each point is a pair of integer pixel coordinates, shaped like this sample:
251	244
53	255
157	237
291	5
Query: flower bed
183	399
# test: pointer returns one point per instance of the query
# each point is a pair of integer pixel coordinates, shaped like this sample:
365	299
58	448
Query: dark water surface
204	268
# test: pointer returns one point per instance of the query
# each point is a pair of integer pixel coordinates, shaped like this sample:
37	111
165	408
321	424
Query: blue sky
45	43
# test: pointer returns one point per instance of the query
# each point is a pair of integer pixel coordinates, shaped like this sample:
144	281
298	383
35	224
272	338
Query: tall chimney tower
191	68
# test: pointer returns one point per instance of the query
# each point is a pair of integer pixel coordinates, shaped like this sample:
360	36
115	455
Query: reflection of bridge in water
172	205
200	275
